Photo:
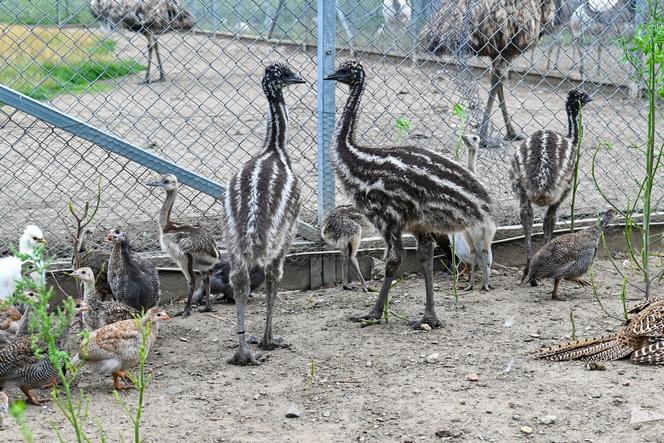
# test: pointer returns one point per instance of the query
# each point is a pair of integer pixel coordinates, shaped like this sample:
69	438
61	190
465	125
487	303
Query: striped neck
573	124
346	130
276	137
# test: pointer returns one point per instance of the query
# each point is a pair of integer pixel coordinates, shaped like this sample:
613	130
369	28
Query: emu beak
334	76
295	80
155	184
466	139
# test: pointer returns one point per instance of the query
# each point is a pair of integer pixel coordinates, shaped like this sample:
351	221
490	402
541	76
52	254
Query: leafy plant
645	52
17	410
403	126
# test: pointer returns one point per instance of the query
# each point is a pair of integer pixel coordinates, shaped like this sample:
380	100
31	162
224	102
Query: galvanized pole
327	34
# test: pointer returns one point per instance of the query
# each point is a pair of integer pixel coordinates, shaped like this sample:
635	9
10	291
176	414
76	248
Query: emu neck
346	131
276	137
472	160
573	126
165	214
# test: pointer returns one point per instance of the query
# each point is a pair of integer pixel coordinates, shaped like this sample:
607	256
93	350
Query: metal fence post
327	34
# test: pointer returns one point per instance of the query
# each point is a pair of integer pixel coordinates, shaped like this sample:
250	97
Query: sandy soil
383	383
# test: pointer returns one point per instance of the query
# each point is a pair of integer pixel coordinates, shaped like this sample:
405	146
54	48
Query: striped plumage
261	206
543	168
499	29
95	259
403	188
191	246
568	256
20	367
148	17
101	313
116	347
641	338
134	280
342	228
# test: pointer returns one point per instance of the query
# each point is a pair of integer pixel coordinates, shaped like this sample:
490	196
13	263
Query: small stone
462	402
526	430
326	414
595	366
516	417
432	358
425	327
549	419
257	396
626	383
535	335
472	376
292	411
640	415
444	433
369	364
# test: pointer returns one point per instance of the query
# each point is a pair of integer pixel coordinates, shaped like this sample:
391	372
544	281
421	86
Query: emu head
169	182
350	72
278	76
576	99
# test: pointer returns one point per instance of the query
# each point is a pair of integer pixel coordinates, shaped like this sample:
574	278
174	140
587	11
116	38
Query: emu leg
425	256
511	134
162	76
393	255
550	222
205	282
150	43
345	283
484	127
273	273
191	283
354	245
526	211
239	278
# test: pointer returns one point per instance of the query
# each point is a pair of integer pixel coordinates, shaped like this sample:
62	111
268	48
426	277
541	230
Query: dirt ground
386	382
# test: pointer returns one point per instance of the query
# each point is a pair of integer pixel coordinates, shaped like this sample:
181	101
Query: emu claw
276	343
243	359
185	313
427	319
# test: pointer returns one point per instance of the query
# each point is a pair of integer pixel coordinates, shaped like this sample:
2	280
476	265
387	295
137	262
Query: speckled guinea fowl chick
133	279
101	313
568	256
21	368
342	228
115	347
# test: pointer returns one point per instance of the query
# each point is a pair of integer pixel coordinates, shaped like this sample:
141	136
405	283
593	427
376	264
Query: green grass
44	62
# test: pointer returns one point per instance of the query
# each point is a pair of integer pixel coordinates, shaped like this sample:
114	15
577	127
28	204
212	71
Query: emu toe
275	343
364	317
430	320
243	359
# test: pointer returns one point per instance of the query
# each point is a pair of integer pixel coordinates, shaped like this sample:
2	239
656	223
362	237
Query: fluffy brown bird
101	313
641	338
115	347
567	257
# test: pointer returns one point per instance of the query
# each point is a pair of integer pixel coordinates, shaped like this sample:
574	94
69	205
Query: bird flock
393	189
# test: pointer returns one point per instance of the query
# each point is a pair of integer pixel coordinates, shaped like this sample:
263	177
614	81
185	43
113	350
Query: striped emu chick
151	18
543	168
568	256
480	236
641	338
261	206
403	188
342	228
191	246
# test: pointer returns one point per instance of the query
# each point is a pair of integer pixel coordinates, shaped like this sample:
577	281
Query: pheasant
567	257
641	338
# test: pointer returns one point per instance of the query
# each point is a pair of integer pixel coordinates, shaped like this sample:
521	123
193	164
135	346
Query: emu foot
243	358
184	313
366	317
487	287
207	309
469	287
430	320
275	342
349	287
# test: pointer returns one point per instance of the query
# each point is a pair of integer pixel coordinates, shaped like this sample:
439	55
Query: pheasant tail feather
587	349
652	354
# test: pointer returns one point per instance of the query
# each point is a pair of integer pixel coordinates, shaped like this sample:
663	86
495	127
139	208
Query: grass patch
44	62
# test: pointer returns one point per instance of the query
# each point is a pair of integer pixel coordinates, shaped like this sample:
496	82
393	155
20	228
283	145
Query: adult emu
499	29
148	17
403	188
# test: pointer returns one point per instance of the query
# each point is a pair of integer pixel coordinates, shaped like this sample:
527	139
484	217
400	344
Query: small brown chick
115	347
567	257
101	313
8	315
641	338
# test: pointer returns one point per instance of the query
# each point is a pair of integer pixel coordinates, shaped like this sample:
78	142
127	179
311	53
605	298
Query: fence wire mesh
209	113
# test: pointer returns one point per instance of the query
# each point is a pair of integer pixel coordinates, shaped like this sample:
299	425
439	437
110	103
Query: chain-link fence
208	115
